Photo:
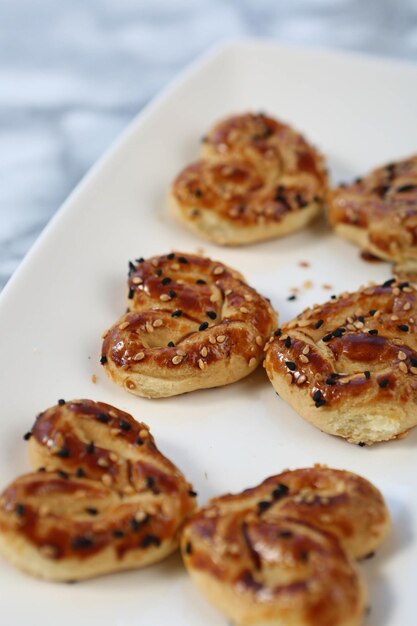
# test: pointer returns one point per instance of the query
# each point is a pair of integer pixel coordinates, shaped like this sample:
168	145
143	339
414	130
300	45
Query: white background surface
360	113
73	73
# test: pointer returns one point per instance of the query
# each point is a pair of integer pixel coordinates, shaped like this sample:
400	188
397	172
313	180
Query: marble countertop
74	73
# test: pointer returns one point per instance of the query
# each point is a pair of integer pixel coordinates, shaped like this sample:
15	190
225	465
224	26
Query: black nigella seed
203	326
166	281
198	193
170	344
132	268
278	332
103	418
158	272
118	534
285	534
357	181
130	293
176	313
330	381
91	510
291	297
370	555
211	314
403	327
64	452
339	332
287	342
317	395
90	448
280	491
150	540
172	293
319	323
291	365
373	331
367	374
327	337
20	509
319	403
334	375
124	425
140	260
171	256
150	481
404	188
264	505
81	543
413	362
182	259
372	312
333	297
200	281
134	525
188	548
103	359
402	285
388	282
139	441
192	494
361	444
384	382
304	556
41	469
62	474
27	436
79	472
61	402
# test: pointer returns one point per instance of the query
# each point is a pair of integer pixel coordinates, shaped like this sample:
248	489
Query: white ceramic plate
361	113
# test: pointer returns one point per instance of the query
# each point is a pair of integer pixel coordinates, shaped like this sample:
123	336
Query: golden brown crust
105	499
349	366
267	556
258	179
379	212
193	323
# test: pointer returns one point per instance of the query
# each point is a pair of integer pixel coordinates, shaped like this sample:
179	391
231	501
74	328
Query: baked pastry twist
379	213
192	323
257	179
349	366
103	499
273	554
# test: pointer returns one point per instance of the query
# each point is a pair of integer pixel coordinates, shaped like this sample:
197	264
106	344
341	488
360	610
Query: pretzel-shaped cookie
379	212
193	323
349	366
104	498
257	179
273	554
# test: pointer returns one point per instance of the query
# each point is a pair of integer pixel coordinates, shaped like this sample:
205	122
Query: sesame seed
203	326
157	323
149	327
228	292
252	362
154	262
259	340
201	364
164	297
213	298
301	379
413	370
102	462
113	457
107	480
218	270
143	433
402	355
243	309
306	349
248	298
137	280
304	358
212	340
396	291
177	359
175	267
403	367
204	351
139	356
407	306
220	338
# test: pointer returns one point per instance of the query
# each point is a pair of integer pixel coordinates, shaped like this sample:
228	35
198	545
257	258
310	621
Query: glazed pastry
379	213
103	499
192	323
257	179
273	554
349	366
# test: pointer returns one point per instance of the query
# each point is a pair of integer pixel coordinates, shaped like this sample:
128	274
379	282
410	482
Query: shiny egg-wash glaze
280	553
379	213
103	499
192	323
349	366
257	179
